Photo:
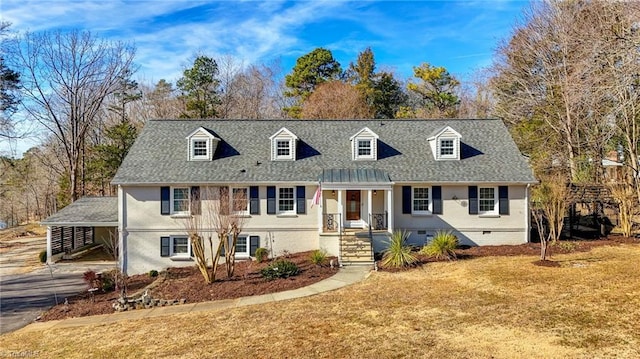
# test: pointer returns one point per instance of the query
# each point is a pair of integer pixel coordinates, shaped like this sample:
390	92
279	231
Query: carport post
48	244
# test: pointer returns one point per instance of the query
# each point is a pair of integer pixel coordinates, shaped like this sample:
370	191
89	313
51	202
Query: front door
353	205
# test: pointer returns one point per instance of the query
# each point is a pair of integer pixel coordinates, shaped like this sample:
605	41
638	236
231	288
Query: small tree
549	201
625	197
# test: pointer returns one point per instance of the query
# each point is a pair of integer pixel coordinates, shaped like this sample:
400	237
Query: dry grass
492	307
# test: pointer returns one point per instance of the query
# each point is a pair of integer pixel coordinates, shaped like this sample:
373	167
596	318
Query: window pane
446	147
199	148
283	148
285	199
421	199
486	199
241	245
240	200
364	148
181	199
180	245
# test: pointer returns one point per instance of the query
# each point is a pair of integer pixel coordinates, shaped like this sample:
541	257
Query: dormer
445	144
201	145
283	145
364	145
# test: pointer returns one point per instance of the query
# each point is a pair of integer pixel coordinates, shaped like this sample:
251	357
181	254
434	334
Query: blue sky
459	35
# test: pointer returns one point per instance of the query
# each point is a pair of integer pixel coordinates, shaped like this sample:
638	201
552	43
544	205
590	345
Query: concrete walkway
344	277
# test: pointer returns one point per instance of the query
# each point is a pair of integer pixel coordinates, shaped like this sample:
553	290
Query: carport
80	225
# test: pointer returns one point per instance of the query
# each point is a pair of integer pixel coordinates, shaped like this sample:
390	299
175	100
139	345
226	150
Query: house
342	186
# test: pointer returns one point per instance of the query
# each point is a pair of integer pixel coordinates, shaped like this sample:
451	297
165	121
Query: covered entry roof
87	212
362	175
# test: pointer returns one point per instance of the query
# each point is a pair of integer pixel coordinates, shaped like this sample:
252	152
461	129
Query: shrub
91	278
398	254
318	257
153	273
280	269
261	255
442	246
43	256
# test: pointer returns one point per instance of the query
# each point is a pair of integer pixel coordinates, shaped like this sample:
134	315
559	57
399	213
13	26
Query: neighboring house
376	176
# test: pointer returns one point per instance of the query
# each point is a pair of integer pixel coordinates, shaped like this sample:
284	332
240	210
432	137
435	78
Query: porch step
356	249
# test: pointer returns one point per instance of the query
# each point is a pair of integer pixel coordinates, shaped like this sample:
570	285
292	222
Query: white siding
471	229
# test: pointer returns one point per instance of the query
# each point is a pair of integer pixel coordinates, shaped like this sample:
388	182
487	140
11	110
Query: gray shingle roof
87	211
159	155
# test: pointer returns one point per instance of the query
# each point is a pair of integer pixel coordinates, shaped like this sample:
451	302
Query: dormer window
200	149
364	148
283	145
445	144
447	147
364	145
202	144
283	149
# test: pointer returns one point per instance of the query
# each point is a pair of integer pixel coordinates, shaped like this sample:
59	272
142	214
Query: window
447	148
283	149
240	200
242	246
180	200
487	200
199	149
180	247
421	203
364	148
286	200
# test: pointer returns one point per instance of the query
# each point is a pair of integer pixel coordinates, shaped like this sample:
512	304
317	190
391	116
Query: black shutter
503	195
165	246
473	199
436	193
254	200
165	201
406	199
222	248
254	243
301	200
271	200
196	207
191	249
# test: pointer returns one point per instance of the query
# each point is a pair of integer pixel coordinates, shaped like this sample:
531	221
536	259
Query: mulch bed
188	283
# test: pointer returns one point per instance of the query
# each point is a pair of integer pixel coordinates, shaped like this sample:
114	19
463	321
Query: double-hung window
242	246
286	200
180	247
420	200
447	148
487	200
364	148
199	149
283	149
240	200
180	200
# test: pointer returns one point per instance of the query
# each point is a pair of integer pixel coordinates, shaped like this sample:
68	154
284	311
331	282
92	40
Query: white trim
289	142
192	149
293	198
172	253
246	199
247	252
172	211
496	203
429	199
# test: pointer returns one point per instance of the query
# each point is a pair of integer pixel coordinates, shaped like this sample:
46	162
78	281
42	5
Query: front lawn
482	307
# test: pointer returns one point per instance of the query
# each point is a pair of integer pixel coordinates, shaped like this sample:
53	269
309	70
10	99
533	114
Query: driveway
28	288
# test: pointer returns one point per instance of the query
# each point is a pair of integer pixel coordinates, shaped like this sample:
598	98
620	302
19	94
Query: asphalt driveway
28	288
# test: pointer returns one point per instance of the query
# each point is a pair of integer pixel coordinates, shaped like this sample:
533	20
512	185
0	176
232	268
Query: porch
357	208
